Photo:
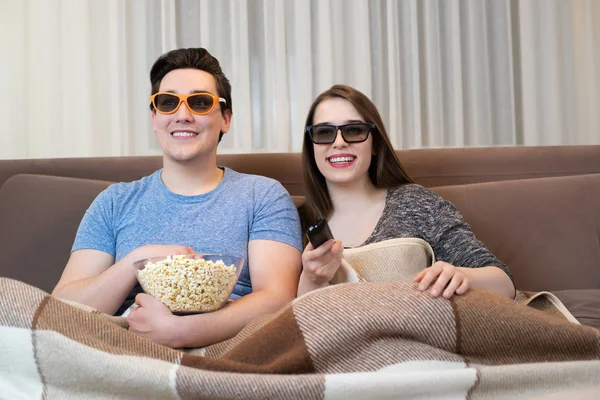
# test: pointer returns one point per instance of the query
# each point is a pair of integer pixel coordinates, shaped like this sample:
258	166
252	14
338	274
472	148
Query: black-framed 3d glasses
355	132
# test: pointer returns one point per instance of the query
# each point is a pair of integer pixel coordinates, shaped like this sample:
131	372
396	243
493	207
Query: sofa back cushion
39	217
546	230
428	167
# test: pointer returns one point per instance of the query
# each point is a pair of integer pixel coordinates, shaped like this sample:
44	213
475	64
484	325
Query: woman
355	181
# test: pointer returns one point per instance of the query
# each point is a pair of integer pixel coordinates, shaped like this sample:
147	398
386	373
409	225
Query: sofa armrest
39	219
545	229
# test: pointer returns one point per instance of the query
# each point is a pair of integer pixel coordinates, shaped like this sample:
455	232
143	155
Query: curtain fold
442	72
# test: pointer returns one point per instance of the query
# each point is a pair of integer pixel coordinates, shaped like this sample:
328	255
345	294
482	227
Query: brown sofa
536	208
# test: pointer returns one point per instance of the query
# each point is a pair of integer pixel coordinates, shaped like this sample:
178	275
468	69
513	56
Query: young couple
353	178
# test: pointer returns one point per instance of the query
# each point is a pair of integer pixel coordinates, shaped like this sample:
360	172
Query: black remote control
319	233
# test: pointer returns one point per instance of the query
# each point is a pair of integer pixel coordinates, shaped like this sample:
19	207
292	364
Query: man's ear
227	115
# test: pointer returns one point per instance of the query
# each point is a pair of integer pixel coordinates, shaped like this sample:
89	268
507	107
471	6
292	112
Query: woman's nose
339	139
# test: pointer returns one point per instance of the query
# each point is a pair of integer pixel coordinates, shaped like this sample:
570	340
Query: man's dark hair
197	58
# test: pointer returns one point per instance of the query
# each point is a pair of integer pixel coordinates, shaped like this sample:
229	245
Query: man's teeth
176	134
340	160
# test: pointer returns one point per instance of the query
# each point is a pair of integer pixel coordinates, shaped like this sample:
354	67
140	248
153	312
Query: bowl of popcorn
190	283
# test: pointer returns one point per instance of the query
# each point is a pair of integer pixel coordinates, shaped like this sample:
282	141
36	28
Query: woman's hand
443	278
319	265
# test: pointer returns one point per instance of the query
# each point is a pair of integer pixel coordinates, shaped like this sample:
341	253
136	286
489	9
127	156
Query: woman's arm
319	265
456	246
492	279
446	280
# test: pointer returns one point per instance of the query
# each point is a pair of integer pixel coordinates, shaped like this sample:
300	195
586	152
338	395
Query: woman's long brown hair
385	170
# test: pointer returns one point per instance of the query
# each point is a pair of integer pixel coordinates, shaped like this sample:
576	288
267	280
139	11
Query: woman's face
341	163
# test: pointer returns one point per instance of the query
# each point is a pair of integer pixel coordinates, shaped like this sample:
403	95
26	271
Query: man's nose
183	113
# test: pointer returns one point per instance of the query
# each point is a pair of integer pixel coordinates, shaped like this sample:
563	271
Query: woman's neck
357	209
351	198
191	178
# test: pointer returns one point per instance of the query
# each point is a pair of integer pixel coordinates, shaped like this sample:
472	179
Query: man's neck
191	178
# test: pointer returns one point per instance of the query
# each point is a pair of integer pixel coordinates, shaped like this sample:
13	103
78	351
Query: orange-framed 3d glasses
200	103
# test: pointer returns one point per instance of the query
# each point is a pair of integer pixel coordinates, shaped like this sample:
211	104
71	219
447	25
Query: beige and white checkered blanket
367	340
349	341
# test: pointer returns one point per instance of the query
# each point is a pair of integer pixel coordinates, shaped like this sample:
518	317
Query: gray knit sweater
414	211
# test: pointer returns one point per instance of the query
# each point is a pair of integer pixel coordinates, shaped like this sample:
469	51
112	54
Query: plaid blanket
353	340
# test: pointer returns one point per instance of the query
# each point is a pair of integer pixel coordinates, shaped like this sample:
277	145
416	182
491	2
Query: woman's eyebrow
348	121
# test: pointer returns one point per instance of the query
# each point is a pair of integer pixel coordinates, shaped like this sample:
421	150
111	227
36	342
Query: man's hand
443	278
153	320
157	250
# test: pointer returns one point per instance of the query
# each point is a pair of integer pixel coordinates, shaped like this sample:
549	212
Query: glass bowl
190	283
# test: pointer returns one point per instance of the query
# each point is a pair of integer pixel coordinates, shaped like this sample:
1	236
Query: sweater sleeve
453	240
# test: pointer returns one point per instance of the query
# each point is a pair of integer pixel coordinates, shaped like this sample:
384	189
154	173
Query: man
190	205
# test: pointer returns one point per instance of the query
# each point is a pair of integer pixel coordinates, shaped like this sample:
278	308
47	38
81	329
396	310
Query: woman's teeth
341	160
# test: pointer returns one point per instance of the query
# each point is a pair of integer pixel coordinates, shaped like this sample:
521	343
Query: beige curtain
74	73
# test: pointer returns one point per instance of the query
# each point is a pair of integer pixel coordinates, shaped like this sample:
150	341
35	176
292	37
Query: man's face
183	135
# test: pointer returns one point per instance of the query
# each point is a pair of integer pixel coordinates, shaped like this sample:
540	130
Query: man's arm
274	271
92	278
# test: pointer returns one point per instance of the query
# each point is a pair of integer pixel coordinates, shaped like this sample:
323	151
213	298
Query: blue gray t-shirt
241	208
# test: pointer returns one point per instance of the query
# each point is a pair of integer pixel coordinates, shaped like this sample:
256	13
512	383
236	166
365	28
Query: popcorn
186	284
